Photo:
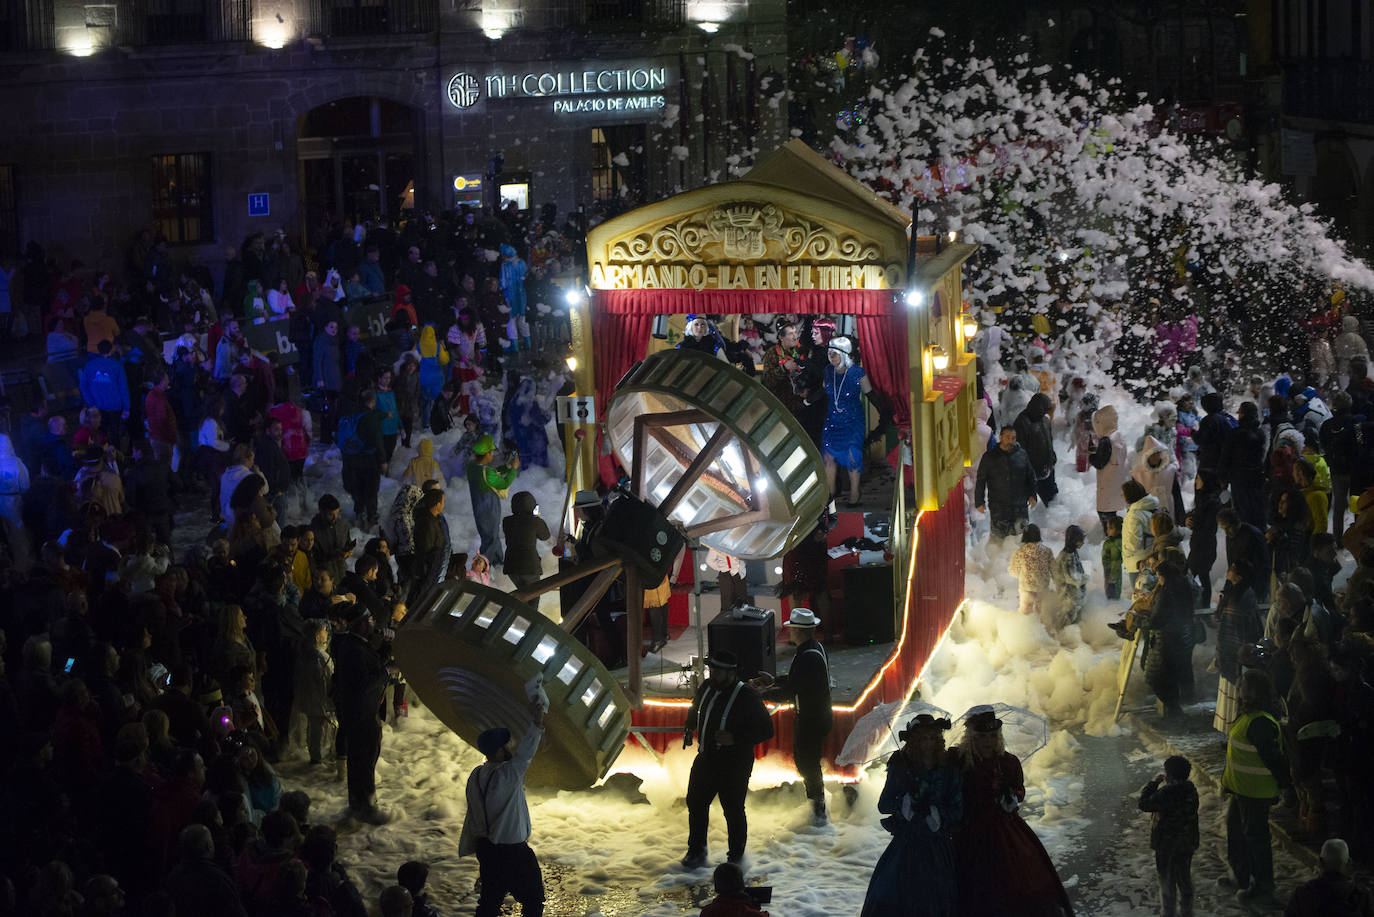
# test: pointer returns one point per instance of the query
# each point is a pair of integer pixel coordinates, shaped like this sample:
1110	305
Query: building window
181	197
618	165
9	213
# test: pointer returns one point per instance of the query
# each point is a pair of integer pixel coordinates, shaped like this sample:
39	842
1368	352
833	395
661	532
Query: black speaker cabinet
752	640
869	611
641	535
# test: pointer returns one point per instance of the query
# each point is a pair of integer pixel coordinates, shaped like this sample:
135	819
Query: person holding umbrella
923	801
993	839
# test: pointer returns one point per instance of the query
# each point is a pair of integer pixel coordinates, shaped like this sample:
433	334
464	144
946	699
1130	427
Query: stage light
915	298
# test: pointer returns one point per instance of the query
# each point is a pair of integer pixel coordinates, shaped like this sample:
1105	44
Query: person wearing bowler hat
807	684
497	824
923	801
728	718
993	841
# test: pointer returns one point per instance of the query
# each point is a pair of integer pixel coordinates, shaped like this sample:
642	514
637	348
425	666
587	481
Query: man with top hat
487	485
729	719
497	824
807	684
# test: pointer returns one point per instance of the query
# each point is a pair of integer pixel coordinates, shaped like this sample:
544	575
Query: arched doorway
357	161
1335	189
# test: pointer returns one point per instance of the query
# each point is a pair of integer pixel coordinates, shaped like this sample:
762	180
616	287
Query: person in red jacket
162	420
732	897
295	441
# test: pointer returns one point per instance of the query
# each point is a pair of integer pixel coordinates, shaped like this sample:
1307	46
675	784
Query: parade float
702	456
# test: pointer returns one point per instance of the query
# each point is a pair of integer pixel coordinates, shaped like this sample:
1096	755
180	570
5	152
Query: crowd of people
153	678
1281	492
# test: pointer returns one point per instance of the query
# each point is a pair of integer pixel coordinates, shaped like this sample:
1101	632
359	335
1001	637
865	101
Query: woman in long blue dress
842	440
923	800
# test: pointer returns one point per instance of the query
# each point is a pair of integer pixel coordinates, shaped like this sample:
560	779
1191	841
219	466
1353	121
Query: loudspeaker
752	640
639	534
869	612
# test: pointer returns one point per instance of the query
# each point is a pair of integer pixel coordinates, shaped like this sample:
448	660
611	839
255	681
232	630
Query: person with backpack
362	448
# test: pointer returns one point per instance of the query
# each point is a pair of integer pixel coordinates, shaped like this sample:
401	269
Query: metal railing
630	14
373	17
26	25
1342	90
169	22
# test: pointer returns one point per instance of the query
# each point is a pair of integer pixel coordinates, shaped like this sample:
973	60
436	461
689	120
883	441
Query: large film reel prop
717	453
468	650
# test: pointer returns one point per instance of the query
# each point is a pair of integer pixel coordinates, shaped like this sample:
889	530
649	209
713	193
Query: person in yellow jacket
423	467
1256	772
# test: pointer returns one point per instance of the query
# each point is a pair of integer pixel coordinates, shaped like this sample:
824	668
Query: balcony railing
373	17
1336	89
25	25
168	22
629	14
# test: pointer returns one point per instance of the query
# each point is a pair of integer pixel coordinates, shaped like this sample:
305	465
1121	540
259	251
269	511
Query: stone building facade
207	119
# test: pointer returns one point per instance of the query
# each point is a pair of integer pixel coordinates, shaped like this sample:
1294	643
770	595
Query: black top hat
982	719
722	659
923	722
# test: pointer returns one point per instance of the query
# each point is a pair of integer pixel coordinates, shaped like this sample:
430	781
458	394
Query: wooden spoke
721	523
587	600
694	471
563	577
634	633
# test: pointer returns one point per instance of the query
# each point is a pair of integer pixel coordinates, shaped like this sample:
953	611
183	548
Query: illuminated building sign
624	88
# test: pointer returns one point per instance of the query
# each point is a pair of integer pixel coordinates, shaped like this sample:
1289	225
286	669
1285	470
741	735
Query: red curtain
622	321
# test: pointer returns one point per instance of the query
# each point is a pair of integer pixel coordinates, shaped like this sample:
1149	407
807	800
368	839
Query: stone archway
359	157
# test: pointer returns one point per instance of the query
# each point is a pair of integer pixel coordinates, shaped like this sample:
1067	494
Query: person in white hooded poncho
1156	469
14	483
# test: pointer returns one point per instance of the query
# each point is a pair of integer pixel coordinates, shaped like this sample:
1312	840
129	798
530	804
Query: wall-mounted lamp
970	326
938	358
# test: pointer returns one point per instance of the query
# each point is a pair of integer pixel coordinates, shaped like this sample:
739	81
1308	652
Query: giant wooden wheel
712	456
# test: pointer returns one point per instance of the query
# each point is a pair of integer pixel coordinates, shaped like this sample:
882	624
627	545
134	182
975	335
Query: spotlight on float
572	364
915	298
710	28
574	296
953	235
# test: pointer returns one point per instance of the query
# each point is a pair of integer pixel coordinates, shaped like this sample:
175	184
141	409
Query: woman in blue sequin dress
842	440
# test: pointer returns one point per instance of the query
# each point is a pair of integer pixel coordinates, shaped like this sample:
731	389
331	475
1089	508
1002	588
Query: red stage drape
622	320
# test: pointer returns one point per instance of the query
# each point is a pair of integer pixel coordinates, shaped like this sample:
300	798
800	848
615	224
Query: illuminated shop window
181	197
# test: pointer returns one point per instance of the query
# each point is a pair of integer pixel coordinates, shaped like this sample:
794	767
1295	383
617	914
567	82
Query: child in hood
1185	425
480	571
433	360
423	467
404	306
1349	344
1163	427
1157	470
1311	450
1111	558
458	456
1032	564
1172	799
1070	579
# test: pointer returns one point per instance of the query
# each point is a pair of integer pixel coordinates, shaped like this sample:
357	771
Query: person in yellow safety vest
1256	772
